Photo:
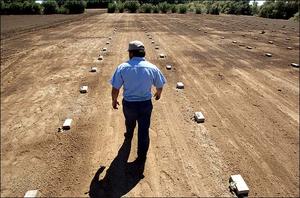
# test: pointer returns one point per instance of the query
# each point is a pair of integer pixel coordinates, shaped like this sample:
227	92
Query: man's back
137	77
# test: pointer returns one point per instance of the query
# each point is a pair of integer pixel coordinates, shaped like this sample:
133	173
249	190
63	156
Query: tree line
277	9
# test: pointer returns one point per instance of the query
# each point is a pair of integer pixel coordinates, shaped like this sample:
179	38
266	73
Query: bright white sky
259	2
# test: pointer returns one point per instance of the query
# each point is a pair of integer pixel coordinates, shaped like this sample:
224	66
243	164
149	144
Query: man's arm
158	93
114	97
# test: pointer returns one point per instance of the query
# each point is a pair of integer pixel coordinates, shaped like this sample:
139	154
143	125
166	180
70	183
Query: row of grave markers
236	182
84	88
266	54
198	116
67	123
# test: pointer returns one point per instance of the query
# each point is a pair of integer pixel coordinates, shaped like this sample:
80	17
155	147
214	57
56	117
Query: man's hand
115	104
158	93
114	96
157	96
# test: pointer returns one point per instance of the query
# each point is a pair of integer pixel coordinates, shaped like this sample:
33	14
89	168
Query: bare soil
250	102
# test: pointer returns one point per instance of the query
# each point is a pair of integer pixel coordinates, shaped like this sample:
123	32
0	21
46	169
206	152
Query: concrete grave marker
180	85
67	124
162	56
238	185
93	69
233	41
169	67
295	64
152	42
290	48
104	49
84	89
271	42
249	47
100	57
156	47
32	193
268	54
199	117
107	42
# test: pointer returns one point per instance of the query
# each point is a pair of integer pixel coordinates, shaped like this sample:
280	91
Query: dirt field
250	102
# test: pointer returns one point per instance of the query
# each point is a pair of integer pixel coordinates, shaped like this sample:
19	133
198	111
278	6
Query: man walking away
137	77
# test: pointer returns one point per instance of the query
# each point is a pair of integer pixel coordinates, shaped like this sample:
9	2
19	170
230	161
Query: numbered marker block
249	47
32	193
162	56
295	64
168	67
152	41
100	58
104	49
290	48
222	37
199	117
156	47
83	89
93	69
233	41
107	42
180	85
238	185
271	42
67	124
268	54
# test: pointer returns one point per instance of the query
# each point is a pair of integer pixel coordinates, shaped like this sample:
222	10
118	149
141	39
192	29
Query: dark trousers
139	112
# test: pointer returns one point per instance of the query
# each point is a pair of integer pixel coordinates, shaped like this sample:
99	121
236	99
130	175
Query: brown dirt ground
250	102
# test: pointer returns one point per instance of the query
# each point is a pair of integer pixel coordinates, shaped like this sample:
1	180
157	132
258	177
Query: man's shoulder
149	65
123	65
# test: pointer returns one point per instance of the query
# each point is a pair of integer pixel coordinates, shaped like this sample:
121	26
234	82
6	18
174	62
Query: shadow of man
120	177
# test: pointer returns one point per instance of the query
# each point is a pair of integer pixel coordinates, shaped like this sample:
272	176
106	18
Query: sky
259	2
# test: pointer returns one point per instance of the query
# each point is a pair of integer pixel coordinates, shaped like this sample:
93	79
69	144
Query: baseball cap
136	45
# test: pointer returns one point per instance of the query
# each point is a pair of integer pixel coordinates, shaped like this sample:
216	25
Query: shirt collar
137	59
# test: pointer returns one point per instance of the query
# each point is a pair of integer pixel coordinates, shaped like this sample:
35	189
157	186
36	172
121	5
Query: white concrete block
156	47
180	85
271	42
93	69
222	37
268	54
32	193
295	64
238	184
249	47
84	89
67	124
152	41
290	48
104	49
169	67
199	117
162	56
107	42
233	41
100	57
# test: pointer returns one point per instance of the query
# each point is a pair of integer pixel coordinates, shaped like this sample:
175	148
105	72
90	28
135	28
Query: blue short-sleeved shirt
137	77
